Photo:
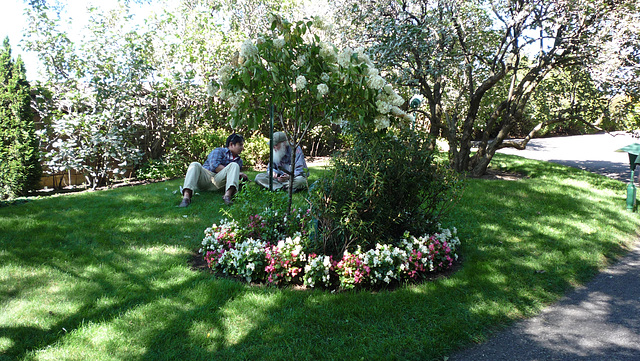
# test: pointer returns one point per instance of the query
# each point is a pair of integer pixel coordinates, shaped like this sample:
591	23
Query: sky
12	23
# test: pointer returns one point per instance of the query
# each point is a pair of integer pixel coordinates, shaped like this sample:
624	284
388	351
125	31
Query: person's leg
299	183
263	180
228	178
197	177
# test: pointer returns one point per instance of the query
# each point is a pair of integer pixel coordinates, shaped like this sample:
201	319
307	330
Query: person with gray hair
282	166
220	170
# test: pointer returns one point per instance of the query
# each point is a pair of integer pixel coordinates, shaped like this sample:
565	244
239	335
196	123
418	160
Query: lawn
106	276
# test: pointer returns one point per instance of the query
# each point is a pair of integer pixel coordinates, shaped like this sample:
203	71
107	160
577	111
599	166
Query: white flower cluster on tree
307	80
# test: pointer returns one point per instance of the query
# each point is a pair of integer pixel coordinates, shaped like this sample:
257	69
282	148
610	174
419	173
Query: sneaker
185	202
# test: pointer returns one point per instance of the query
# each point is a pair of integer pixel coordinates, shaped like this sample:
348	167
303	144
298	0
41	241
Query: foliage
304	82
256	150
625	112
386	185
477	64
171	165
307	81
20	168
569	103
263	215
129	92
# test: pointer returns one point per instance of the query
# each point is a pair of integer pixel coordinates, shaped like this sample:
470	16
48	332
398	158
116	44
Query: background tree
20	166
131	92
457	54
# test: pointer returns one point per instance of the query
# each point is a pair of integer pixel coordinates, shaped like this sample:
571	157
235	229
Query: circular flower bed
237	251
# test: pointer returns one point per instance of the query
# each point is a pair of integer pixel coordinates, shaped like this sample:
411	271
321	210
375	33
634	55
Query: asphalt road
597	322
595	152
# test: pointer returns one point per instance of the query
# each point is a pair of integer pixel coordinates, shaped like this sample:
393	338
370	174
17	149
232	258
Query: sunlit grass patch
106	276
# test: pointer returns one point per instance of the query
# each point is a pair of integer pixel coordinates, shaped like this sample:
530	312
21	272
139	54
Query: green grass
105	276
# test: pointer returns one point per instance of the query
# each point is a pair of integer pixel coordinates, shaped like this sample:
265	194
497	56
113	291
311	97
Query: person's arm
301	164
214	161
276	172
242	175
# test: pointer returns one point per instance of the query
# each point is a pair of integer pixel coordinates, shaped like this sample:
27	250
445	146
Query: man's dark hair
234	138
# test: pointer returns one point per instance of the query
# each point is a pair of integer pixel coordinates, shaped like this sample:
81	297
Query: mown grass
105	276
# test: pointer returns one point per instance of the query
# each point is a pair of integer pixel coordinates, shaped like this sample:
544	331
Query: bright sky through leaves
12	23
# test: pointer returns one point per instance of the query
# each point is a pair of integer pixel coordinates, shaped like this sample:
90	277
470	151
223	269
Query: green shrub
172	165
203	141
386	185
256	151
20	168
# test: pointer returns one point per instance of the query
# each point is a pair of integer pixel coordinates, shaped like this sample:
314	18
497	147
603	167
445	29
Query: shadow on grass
116	262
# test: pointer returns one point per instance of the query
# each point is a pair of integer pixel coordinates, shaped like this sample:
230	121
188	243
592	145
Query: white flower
383	107
224	74
210	89
322	89
344	58
376	82
301	82
410	118
381	122
248	50
302	60
363	57
397	111
279	43
327	51
396	100
325	77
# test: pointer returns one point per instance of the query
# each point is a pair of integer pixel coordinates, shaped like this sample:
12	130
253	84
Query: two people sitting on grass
221	169
282	153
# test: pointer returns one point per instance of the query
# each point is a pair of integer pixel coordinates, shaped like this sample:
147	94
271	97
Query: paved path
600	321
595	152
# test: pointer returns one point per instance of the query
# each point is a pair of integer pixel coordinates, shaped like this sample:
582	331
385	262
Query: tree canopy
20	166
472	58
132	91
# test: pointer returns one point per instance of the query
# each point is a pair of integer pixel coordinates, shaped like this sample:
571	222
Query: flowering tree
305	82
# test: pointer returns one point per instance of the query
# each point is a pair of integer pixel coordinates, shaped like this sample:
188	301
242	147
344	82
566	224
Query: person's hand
244	177
283	178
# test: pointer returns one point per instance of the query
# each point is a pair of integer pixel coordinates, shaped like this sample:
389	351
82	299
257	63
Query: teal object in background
634	151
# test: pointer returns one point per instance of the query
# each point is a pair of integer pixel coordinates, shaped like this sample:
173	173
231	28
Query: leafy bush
172	165
256	151
202	141
386	185
100	145
20	165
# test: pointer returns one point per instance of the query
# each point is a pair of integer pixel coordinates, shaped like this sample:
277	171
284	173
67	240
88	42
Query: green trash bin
634	151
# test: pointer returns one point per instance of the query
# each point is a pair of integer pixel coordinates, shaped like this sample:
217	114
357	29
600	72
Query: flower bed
234	251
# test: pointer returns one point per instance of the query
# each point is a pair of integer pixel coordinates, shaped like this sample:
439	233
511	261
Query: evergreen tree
20	168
